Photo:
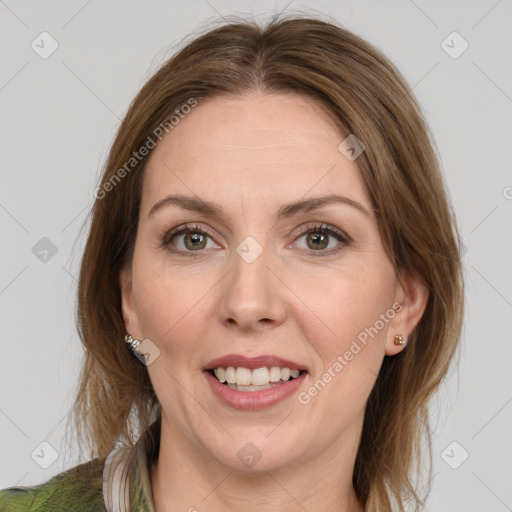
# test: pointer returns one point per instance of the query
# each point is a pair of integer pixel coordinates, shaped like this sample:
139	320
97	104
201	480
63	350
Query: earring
399	340
132	342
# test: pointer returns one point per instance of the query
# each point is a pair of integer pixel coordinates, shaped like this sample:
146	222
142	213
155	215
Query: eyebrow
288	210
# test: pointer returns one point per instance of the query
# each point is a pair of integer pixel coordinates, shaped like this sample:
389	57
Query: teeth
220	373
258	377
231	375
275	374
236	387
243	376
285	373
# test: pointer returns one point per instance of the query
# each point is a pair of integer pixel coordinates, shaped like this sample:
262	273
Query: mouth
254	383
243	395
251	380
242	373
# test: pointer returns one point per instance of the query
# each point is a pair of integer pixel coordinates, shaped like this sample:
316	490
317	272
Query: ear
130	317
412	294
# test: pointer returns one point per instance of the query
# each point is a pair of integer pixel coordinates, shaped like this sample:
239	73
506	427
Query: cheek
347	339
346	303
172	307
172	314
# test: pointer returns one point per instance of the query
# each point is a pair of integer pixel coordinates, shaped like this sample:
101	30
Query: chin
258	453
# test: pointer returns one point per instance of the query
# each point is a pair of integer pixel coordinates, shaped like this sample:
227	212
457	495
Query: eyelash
322	228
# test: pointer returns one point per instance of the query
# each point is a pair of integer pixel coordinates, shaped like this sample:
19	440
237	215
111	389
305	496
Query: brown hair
367	96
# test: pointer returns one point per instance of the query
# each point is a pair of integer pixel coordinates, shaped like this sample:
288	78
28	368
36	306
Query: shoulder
79	489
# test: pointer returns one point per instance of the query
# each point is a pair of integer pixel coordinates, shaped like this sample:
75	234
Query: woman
273	239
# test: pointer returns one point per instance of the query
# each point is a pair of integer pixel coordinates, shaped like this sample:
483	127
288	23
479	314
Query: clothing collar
127	473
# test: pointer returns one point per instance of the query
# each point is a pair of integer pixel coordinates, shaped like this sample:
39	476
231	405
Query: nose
252	297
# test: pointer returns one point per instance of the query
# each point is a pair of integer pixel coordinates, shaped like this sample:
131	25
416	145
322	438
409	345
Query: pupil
319	237
192	239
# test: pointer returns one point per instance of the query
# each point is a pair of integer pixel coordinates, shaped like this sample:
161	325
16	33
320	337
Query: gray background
59	116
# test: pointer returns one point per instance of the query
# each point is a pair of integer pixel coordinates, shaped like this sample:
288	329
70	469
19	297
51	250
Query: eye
320	236
188	239
191	240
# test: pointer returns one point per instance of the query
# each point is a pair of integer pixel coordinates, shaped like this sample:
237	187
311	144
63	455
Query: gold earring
399	340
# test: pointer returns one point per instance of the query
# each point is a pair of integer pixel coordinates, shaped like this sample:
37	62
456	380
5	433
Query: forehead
255	147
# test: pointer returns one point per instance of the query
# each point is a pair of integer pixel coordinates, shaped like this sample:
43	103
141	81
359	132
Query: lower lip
254	400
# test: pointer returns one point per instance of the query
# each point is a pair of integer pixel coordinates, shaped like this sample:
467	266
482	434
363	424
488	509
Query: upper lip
237	360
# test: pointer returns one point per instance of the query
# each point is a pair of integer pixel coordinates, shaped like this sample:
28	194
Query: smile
245	379
253	383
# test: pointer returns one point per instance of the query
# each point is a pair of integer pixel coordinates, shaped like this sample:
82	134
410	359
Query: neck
187	478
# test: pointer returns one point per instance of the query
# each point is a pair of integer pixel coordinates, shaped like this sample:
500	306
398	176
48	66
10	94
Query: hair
365	95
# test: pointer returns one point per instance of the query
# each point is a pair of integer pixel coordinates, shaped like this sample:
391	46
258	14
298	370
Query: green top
99	485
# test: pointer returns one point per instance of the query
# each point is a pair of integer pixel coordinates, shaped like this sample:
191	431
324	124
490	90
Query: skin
251	154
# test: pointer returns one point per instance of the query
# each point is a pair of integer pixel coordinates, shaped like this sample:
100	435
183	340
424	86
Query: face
249	278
